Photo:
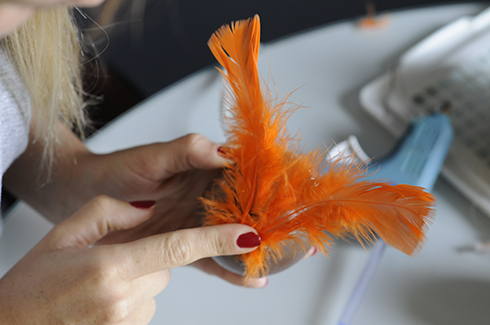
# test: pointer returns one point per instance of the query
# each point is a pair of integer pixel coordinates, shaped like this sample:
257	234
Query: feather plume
285	192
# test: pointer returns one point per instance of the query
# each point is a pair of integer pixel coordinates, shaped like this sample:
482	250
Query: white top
15	114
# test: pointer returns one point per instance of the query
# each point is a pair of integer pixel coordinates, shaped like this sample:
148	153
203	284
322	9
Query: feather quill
285	192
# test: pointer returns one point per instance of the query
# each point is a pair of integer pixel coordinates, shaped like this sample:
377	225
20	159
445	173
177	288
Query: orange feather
285	192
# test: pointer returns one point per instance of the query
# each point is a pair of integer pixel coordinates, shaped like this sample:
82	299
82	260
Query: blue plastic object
417	160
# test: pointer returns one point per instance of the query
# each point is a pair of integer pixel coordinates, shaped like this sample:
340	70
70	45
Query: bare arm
174	174
27	178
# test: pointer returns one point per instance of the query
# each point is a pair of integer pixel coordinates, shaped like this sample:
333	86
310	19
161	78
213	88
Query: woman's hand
65	279
175	174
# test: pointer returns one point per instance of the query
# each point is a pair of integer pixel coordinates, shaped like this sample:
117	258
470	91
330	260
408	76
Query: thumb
193	151
96	219
182	247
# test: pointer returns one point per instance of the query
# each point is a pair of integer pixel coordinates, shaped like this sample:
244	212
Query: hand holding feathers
285	192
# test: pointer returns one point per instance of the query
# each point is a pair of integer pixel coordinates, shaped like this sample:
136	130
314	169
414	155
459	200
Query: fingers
96	219
193	151
311	252
211	267
182	247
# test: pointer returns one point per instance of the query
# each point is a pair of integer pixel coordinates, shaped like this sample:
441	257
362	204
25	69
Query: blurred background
151	44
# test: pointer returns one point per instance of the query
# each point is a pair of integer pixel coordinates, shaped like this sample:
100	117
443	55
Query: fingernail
221	152
143	204
248	240
266	283
313	250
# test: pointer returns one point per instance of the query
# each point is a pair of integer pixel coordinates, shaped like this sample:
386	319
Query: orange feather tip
284	191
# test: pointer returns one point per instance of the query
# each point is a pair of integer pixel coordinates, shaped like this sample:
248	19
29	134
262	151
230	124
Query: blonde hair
46	51
48	54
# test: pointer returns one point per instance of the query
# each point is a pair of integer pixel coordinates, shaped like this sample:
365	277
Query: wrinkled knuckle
103	274
103	270
219	246
194	140
115	311
176	250
102	203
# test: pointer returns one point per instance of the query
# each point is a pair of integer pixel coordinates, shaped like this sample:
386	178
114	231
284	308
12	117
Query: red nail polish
248	240
313	251
143	204
221	152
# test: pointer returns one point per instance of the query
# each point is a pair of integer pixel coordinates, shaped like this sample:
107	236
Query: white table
443	285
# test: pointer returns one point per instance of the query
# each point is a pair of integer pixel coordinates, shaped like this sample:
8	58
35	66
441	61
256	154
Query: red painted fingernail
221	151
143	204
248	240
313	251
